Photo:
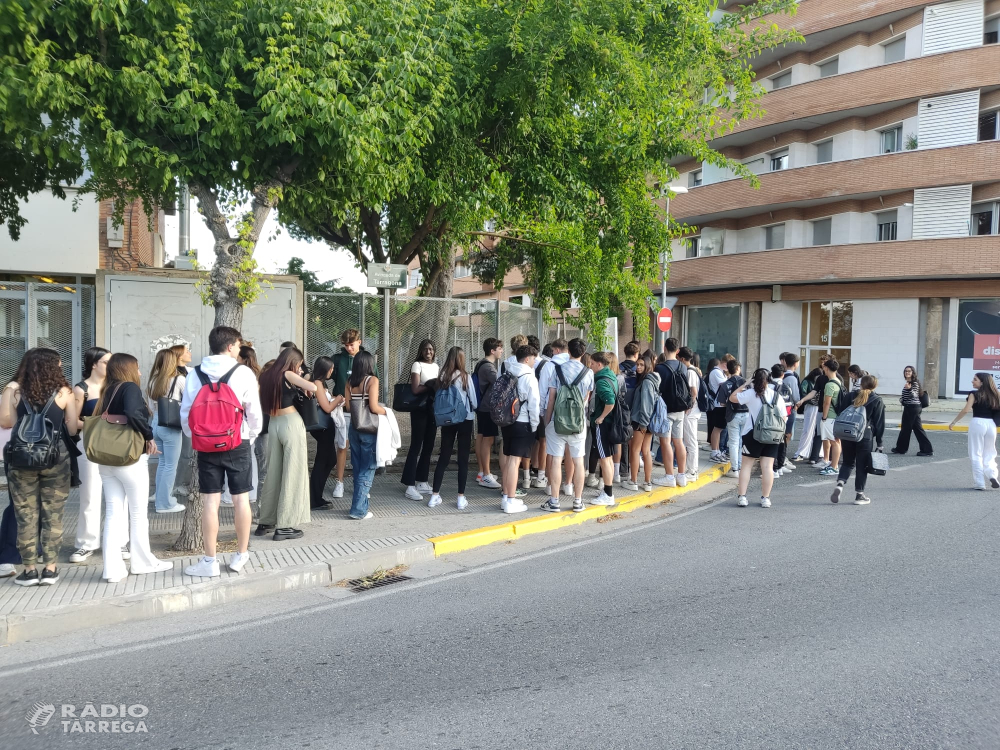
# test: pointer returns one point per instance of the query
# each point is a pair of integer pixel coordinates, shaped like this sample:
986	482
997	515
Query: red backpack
216	416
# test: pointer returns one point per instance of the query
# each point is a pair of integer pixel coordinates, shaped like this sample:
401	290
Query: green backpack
568	413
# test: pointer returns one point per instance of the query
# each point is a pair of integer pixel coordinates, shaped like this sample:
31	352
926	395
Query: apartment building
874	233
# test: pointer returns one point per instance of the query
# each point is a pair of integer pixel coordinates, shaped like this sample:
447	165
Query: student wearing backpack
765	406
209	404
166	381
483	377
86	394
644	404
788	396
810	413
565	419
858	455
790	363
126	488
693	415
831	394
606	403
736	417
677	395
455	407
984	402
423	428
717	375
38	480
518	436
629	365
539	456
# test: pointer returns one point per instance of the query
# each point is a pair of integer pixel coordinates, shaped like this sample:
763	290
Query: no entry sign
663	318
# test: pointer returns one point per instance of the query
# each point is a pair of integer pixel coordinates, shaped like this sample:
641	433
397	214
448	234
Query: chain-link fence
58	316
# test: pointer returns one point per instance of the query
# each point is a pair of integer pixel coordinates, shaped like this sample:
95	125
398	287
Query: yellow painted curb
466	540
944	427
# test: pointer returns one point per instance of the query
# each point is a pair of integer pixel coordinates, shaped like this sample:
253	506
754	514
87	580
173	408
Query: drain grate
359	585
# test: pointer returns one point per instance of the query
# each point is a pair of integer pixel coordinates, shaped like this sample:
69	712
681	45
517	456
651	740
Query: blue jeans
168	443
735	432
363	467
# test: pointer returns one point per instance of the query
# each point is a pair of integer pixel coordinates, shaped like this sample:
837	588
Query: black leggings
326	460
855	455
423	429
911	423
463	432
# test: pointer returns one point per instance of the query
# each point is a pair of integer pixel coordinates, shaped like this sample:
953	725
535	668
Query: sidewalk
334	548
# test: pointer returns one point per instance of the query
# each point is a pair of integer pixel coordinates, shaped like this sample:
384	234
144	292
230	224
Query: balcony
856	178
817	16
939	259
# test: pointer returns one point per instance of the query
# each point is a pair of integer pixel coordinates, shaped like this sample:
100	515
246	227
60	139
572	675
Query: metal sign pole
386	300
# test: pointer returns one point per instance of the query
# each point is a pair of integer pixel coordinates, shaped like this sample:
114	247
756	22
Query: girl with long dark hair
423	428
248	357
859	455
910	423
753	394
284	497
455	373
361	392
166	380
38	496
326	447
647	392
86	393
126	488
984	402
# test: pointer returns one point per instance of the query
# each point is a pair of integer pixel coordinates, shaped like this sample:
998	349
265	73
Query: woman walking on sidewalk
166	381
985	405
126	488
423	428
38	495
911	416
284	498
361	395
326	447
455	378
86	393
859	455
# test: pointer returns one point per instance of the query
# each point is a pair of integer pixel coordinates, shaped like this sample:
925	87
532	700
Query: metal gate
58	316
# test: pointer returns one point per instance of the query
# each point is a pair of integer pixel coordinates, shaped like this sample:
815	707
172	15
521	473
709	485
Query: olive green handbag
108	440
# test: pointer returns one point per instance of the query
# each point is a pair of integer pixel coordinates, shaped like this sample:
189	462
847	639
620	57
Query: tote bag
168	410
108	440
363	419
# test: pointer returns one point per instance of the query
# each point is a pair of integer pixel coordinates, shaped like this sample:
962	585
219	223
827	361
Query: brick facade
142	245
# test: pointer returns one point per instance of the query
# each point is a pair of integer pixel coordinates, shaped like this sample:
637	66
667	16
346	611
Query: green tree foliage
566	117
242	99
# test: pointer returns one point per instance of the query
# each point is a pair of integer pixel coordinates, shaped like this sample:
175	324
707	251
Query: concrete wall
56	239
884	339
780	330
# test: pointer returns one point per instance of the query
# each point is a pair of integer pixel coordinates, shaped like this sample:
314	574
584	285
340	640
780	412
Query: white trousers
126	495
88	524
810	419
691	440
983	450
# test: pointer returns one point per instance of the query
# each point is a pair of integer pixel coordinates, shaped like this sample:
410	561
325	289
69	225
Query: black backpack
34	441
703	395
620	427
674	388
844	399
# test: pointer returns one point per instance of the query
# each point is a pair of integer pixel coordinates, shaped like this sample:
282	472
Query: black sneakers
27	578
283	534
262	530
835	497
862	499
994	483
49	577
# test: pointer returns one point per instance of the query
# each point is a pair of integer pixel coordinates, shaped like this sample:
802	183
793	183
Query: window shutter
948	120
954	25
942	212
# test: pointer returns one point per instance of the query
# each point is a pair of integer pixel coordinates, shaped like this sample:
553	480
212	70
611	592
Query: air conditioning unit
116	235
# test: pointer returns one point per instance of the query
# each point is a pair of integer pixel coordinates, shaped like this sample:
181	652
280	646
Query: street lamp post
675	190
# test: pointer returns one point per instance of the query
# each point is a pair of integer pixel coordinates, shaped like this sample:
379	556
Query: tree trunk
191	538
442	285
228	308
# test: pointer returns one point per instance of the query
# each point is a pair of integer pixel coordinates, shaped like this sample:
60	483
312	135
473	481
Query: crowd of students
568	420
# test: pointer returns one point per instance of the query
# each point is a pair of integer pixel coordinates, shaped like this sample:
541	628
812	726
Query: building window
782	81
988	126
826	327
462	271
693	246
822	231
895	51
774	237
983	220
891	140
991	31
824	152
829	68
415	278
694	178
779	160
886	226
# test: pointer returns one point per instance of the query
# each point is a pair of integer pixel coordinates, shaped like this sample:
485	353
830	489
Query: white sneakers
539	482
592	481
765	502
489	481
682	480
435	501
81	554
412	494
628	484
667	480
512	505
237	560
226	499
525	484
461	503
732	474
742	501
7	570
424	488
177	508
567	490
338	489
603	499
647	487
206	567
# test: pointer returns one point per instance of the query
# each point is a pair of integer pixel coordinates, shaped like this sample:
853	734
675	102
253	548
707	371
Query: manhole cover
367	584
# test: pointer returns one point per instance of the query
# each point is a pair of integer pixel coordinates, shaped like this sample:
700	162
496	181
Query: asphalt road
806	625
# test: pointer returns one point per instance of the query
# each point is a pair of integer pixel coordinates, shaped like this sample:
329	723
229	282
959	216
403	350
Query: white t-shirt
753	404
715	379
571	368
426	370
694	383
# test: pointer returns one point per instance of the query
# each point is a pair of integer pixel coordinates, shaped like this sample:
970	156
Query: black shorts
540	432
518	440
717	418
604	448
234	465
759	450
487	427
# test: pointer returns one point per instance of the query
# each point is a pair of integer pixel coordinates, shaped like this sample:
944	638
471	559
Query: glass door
826	328
713	330
56	324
